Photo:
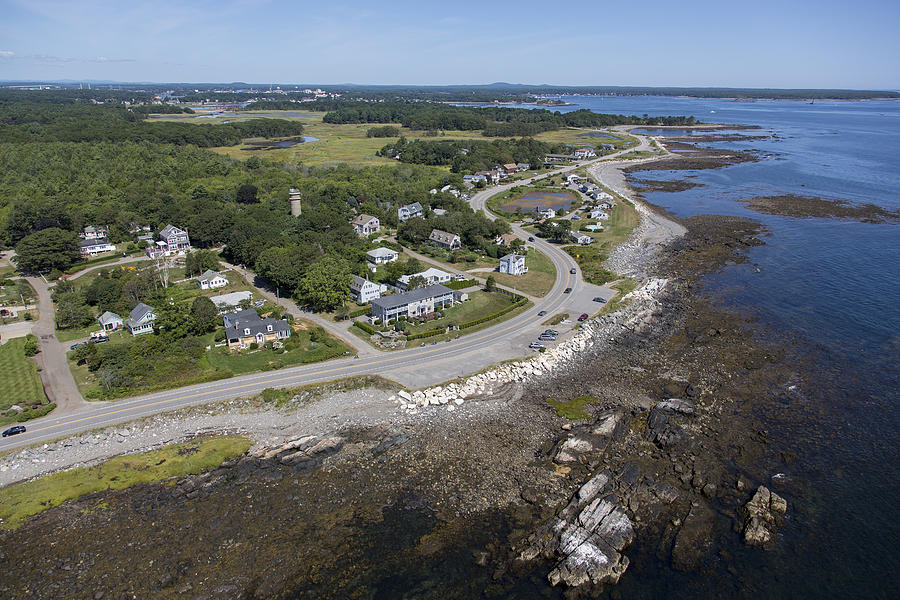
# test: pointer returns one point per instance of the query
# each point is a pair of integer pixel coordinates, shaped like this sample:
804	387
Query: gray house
245	327
419	302
409	211
141	319
110	321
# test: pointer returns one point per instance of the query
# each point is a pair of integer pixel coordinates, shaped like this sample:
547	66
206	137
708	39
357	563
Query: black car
600	300
78	345
14	430
572	271
567	291
542	313
531	238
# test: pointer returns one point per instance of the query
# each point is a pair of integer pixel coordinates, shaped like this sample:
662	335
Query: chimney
294	195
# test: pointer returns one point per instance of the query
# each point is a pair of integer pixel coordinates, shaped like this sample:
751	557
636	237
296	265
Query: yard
537	281
19	380
479	304
623	218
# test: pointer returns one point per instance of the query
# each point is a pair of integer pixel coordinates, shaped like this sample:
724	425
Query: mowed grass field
19	378
22	500
347	143
537	281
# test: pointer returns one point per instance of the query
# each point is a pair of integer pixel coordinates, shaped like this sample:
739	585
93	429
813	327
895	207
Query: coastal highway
414	367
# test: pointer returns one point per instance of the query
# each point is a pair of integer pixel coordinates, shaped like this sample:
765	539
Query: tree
204	315
247	194
31	345
326	284
416	282
72	311
491	284
47	249
171	322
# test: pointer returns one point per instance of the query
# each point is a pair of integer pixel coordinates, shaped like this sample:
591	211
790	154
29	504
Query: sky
781	44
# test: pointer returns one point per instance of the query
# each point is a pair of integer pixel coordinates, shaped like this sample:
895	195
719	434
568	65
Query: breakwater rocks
637	316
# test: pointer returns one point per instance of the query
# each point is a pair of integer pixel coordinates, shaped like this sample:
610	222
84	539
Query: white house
92	233
211	280
364	291
366	224
382	256
431	277
451	241
585	153
522	167
141	319
409	211
573	178
547	213
513	264
110	321
95	246
582	238
420	302
599	214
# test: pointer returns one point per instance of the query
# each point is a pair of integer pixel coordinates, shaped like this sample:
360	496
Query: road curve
413	367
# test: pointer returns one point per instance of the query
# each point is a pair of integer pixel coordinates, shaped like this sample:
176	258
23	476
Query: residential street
413	367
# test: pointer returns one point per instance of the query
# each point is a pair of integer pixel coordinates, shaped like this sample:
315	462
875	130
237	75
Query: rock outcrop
587	537
663	428
762	516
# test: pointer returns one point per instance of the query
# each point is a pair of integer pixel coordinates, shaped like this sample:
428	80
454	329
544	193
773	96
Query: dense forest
495	121
86	122
468	156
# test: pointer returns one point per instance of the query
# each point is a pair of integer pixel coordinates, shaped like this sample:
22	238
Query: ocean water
832	287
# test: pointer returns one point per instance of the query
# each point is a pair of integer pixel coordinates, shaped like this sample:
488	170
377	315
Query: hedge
425	334
458	285
360	312
365	327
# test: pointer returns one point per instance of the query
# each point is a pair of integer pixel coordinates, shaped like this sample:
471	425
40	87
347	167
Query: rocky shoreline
501	482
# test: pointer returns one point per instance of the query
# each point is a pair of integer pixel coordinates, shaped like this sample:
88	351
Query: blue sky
696	43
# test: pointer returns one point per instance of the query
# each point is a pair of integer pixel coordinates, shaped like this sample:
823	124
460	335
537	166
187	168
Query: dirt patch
659	185
790	205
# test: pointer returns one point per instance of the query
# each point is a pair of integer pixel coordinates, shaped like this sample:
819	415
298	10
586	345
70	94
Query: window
268	328
246	331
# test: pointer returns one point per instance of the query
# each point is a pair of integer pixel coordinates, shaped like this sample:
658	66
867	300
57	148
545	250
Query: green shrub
254	346
360	312
31	345
220	335
365	327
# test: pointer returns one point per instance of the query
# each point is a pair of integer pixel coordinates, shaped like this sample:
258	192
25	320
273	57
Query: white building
409	211
110	321
91	247
382	256
231	301
513	264
431	277
211	280
141	319
364	291
420	302
366	224
582	238
599	214
547	213
585	153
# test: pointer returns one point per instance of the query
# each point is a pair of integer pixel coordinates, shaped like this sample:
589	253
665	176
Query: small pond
267	145
535	201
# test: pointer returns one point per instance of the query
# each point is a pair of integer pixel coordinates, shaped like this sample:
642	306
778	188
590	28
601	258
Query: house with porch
582	238
92	233
366	224
450	241
409	211
513	264
172	241
420	302
582	153
95	246
110	321
141	319
599	214
245	327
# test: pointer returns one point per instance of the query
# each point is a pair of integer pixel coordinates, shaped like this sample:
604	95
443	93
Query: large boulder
763	514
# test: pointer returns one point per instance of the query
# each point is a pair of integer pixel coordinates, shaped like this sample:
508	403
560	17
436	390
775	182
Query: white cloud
7	54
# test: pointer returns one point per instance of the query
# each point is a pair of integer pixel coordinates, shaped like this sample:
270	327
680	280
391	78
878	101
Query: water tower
294	195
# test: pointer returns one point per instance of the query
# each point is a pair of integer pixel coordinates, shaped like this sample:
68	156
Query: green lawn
306	351
623	218
19	378
537	281
22	500
478	305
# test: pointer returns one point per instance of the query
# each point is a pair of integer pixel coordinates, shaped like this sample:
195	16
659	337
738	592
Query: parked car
76	346
600	300
567	291
552	332
573	270
14	430
100	339
531	345
530	238
547	338
583	317
542	313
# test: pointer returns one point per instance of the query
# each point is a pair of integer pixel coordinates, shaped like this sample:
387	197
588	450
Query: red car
583	317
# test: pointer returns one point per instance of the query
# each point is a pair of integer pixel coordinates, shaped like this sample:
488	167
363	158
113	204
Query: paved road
413	367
